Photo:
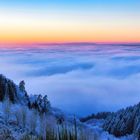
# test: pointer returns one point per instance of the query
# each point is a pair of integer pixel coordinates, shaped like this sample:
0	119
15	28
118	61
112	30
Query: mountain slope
24	117
17	94
125	121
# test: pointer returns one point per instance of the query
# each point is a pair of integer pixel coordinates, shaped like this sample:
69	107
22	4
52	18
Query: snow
96	126
21	115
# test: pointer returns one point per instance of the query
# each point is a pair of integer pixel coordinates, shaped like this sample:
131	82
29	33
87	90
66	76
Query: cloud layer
78	79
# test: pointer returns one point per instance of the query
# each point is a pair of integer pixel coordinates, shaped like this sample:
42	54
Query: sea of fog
78	78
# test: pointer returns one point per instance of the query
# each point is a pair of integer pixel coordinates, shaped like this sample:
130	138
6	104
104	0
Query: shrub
6	109
20	113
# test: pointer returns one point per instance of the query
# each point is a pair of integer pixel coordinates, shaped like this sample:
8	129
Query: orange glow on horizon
16	28
64	38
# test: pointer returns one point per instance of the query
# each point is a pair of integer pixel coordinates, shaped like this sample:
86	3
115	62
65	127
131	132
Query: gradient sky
43	21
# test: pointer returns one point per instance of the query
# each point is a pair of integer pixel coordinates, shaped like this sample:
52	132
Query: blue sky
134	4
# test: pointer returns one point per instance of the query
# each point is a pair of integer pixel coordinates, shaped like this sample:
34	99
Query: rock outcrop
17	94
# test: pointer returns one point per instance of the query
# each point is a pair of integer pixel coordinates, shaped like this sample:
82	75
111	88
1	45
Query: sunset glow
90	21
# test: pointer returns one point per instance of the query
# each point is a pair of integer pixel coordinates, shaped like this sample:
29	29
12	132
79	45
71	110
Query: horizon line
72	43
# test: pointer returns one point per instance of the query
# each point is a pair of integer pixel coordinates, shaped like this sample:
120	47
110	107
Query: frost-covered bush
20	113
32	121
5	134
87	134
6	106
28	124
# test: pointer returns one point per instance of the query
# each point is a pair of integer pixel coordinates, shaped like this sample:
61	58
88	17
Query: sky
51	21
